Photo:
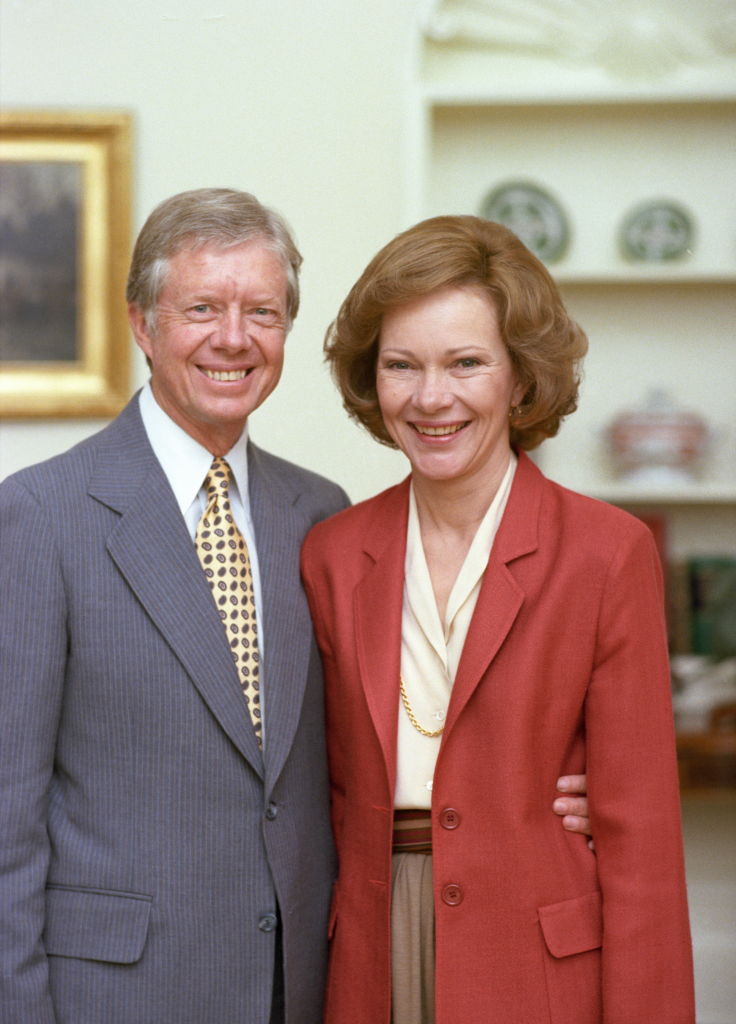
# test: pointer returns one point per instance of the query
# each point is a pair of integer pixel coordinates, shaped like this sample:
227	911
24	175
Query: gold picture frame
65	228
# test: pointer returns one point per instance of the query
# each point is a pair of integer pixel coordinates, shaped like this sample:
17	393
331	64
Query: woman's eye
468	363
397	364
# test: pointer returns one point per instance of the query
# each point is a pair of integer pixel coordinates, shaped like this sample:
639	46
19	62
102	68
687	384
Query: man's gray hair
221	217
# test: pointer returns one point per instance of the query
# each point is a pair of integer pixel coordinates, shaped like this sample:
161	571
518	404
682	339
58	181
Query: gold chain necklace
413	717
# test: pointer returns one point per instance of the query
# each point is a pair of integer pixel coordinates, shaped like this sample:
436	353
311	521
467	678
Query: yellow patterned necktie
226	563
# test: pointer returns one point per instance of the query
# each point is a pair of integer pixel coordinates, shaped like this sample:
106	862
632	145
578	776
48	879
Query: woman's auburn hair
545	345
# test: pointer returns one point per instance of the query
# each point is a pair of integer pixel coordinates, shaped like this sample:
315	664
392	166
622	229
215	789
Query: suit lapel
500	597
280	528
152	549
377	613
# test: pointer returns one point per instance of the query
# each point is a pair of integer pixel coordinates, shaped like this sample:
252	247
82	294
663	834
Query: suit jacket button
268	923
271	811
452	894
450	818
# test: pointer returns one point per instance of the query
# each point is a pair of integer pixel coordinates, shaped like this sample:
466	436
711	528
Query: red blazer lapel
378	599
501	596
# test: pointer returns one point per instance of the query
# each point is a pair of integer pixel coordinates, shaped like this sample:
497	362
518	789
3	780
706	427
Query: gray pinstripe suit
145	842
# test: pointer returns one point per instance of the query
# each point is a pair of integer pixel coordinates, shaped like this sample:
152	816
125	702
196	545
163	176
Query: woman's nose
432	392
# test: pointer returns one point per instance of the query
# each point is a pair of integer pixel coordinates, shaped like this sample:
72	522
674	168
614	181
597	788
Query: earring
515	410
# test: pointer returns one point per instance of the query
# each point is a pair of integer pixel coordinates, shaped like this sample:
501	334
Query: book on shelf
712	582
679	611
700	594
702	606
658	526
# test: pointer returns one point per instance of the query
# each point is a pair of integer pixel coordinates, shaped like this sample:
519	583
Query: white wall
299	103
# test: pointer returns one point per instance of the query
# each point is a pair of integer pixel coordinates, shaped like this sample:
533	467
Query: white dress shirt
186	464
431	649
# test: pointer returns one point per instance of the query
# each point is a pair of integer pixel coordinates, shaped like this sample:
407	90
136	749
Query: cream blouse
431	650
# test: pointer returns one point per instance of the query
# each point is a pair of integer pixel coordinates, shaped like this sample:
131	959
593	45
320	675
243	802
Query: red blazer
564	671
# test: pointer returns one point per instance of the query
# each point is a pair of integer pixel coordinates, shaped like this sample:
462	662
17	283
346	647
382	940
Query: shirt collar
420	591
184	460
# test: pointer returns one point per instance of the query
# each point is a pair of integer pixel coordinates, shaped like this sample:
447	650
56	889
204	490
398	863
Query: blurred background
605	134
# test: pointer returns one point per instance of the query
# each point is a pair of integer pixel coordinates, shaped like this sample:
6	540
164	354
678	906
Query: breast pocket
96	924
573	934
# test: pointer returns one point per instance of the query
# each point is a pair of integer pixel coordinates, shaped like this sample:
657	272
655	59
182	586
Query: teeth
226	374
440	431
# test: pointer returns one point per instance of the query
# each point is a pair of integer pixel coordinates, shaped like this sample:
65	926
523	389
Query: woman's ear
517	395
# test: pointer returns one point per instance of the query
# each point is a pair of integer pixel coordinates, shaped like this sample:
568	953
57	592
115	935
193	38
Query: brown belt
412	831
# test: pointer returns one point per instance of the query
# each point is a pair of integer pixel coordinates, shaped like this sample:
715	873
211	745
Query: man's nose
232	331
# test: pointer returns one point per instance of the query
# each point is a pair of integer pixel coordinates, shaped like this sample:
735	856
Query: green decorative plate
657	231
532	214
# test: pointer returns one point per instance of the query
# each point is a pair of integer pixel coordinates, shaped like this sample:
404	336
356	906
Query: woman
483	631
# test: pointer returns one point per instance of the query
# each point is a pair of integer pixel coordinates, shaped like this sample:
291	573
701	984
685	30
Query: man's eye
201	307
266	317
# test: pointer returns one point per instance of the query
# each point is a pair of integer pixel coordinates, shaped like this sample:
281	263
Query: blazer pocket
96	924
573	926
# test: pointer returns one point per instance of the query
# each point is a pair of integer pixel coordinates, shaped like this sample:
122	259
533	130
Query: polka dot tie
226	563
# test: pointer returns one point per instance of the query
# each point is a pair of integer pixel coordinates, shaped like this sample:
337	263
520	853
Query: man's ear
139	327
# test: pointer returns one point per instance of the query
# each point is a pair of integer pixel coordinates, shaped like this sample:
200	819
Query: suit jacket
145	841
564	670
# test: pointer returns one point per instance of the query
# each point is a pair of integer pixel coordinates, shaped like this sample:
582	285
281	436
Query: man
165	853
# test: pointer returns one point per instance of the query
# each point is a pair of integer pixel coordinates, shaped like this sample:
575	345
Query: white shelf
619	493
645	274
454	73
599	162
601	145
527	94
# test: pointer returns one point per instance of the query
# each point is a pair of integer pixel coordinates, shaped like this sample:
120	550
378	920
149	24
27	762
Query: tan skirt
412	939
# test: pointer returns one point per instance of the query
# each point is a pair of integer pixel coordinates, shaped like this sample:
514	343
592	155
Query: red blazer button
452	895
450	818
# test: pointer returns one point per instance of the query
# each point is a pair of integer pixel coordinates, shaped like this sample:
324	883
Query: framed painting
64	251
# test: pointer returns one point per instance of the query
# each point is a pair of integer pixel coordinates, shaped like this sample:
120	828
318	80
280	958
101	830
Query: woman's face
445	385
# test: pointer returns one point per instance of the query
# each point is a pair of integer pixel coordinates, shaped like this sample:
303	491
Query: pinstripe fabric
138	866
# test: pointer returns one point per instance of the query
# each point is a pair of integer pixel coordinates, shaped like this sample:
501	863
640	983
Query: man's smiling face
217	347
